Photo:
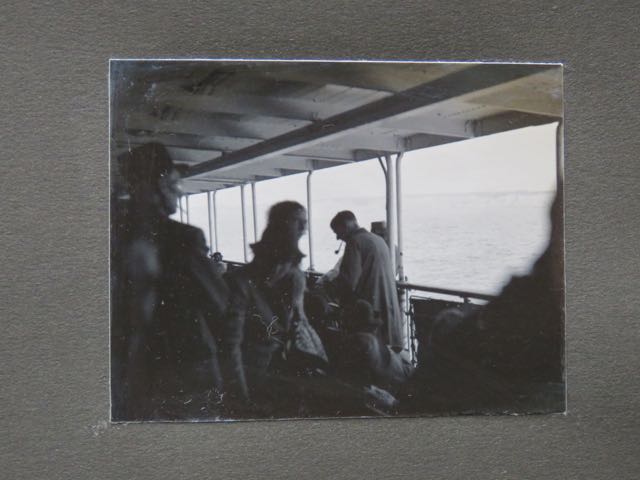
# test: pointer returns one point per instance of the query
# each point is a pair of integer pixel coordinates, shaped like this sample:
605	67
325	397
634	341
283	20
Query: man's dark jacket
167	301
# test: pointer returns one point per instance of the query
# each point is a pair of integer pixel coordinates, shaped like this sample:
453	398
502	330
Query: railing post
210	219
180	209
404	295
215	220
309	220
391	210
255	211
187	205
244	224
400	258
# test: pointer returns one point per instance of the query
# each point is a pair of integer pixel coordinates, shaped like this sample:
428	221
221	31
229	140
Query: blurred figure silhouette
167	299
504	356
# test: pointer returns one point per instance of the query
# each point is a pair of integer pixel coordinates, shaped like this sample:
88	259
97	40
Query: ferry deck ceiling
234	123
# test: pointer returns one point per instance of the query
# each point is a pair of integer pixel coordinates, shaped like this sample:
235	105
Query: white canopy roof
241	122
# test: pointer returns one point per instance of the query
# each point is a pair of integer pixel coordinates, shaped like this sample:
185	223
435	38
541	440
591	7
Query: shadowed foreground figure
504	357
166	300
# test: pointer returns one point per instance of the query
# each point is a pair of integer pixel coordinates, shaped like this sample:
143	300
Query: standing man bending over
365	274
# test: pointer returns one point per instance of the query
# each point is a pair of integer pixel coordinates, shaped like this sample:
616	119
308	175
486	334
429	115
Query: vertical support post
309	220
400	258
215	221
255	211
209	217
404	294
244	224
187	204
391	210
180	209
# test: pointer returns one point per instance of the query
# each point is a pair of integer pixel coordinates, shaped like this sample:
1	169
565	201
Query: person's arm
212	293
235	383
214	290
330	275
350	272
142	272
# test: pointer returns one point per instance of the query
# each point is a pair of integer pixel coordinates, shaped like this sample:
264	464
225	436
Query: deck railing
406	290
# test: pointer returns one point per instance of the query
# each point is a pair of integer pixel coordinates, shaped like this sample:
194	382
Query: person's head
379	228
217	257
278	247
289	216
343	224
363	318
151	177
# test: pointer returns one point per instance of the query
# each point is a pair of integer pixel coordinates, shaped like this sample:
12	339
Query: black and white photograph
345	239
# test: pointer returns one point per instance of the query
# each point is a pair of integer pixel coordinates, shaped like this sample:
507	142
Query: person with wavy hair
277	252
266	333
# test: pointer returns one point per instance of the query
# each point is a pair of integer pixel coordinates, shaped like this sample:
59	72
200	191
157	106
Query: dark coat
167	304
504	356
365	274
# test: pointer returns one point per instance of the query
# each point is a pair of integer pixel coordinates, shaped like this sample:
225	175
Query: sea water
469	241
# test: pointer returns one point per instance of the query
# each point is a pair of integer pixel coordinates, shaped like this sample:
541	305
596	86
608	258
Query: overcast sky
518	161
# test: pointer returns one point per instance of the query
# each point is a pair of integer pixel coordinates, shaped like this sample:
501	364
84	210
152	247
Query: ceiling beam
538	94
125	143
381	76
203	125
215	143
425	140
450	86
249	104
320	156
509	121
432	124
238	181
198	185
290	171
256	171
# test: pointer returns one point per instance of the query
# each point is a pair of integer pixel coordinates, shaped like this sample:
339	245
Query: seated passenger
218	265
266	332
363	358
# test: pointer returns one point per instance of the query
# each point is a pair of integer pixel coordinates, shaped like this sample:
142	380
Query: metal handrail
445	291
413	286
